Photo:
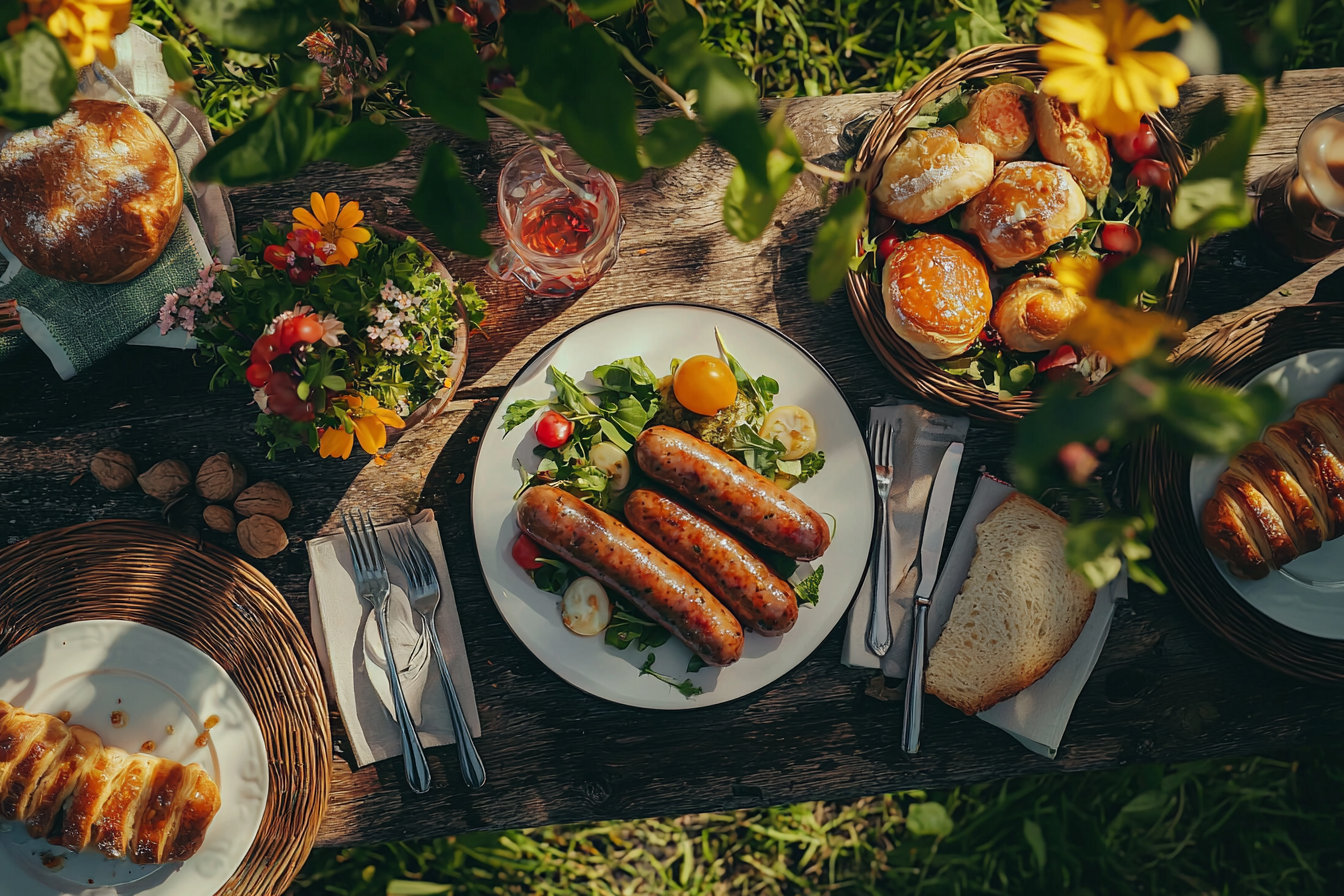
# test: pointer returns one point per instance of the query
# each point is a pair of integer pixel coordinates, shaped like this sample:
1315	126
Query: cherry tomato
307	329
1120	238
1140	143
1064	356
1152	173
554	429
278	256
288	333
266	349
704	385
886	246
525	553
258	373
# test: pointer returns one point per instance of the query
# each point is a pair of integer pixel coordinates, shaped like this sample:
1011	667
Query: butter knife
930	554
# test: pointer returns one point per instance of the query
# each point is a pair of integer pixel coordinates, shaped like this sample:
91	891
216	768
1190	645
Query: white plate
1286	595
844	489
94	668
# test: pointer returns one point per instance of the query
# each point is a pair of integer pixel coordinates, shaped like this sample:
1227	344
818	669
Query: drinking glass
1299	207
561	221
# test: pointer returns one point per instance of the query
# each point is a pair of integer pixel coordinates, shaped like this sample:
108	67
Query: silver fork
371	581
423	580
879	620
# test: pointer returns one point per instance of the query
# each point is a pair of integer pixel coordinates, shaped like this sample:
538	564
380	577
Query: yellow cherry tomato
704	385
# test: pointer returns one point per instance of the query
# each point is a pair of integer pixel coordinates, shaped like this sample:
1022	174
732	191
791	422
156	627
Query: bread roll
1000	120
1018	613
1260	467
1262	522
95	197
1229	536
1034	313
1067	140
1028	207
937	295
931	173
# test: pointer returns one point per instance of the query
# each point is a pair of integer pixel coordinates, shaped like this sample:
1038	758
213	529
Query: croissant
64	784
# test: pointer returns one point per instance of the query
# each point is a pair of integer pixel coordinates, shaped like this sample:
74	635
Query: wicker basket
922	376
142	572
1236	354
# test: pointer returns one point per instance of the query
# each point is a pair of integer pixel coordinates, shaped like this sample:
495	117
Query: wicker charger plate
924	377
142	572
1236	354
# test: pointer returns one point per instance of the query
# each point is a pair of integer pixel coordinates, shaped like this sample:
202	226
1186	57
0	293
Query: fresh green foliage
444	76
258	26
630	626
685	686
836	243
809	589
670	142
36	80
362	143
448	205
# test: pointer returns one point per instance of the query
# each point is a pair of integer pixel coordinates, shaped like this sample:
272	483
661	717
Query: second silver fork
879	619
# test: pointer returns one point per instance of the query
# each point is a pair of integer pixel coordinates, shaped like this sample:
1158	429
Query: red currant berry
258	373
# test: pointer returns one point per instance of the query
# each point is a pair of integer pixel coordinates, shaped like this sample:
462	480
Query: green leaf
670	142
576	75
809	589
271	145
695	664
614	435
601	9
835	243
523	112
445	76
334	383
552	576
176	59
518	413
448	205
258	26
1036	840
978	24
928	820
749	204
362	144
38	80
416	888
1212	197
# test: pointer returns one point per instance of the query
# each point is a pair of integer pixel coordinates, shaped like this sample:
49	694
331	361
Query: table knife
930	554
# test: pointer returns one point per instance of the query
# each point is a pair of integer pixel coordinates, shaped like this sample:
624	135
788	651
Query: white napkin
920	439
410	646
1038	715
339	617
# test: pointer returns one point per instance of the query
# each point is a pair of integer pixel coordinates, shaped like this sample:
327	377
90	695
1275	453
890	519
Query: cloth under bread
338	620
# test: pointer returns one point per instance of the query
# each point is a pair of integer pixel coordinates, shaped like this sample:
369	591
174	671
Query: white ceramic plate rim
524	607
1313	611
236	755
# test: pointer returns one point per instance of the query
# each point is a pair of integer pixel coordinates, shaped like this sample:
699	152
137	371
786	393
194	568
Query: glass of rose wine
1299	207
561	220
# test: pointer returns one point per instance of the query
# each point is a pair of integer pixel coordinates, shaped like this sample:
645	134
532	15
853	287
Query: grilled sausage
739	496
761	600
607	550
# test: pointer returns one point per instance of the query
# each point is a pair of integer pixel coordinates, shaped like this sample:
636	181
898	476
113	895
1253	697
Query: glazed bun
931	173
1028	208
1034	313
1069	141
1000	120
94	197
937	295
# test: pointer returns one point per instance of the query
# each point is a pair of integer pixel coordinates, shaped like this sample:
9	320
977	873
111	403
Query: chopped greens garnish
809	589
685	686
519	412
765	456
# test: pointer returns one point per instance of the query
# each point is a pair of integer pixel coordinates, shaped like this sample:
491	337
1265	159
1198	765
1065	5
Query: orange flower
336	224
335	442
86	28
370	424
1121	334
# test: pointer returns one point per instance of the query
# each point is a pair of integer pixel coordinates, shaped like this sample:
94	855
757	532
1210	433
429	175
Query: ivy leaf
271	145
362	144
37	77
448	205
445	76
258	26
670	142
835	243
576	76
602	9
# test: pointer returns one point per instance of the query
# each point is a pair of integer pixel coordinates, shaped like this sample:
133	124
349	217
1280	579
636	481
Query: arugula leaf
568	393
759	391
518	413
809	589
553	576
629	626
695	664
614	434
811	463
685	686
760	454
624	375
768	389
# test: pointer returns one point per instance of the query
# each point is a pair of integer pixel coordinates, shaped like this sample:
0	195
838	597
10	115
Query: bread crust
1026	209
1259	466
1000	120
1034	313
94	198
931	173
936	293
1067	140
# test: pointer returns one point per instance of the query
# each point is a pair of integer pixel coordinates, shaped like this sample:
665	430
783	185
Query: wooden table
1164	690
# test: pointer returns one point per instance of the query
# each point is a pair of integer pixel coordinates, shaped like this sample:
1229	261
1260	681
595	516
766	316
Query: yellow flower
370	424
336	224
86	29
1093	62
1121	334
335	442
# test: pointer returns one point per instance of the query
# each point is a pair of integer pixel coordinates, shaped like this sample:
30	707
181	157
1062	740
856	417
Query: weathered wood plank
1165	688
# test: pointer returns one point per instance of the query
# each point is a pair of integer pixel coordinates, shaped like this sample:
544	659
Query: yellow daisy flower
85	29
336	224
370	422
1093	62
1122	334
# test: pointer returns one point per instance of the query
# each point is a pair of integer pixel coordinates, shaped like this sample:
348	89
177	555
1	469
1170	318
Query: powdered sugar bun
1028	207
931	173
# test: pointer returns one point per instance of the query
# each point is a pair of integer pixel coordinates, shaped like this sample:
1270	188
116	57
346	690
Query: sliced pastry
1307	453
121	811
200	801
1263	469
1261	520
1230	537
29	769
61	779
86	805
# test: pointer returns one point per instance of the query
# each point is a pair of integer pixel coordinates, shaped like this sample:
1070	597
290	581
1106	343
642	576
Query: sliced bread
1018	613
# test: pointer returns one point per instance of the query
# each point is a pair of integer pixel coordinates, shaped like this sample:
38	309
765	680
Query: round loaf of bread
94	197
1034	314
1000	119
1027	208
937	295
1069	141
931	173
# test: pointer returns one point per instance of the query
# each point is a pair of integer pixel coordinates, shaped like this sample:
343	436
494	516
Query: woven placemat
146	573
1235	354
924	377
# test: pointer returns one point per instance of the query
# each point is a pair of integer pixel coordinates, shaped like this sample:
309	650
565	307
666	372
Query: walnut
265	498
221	478
114	469
260	536
219	518
166	480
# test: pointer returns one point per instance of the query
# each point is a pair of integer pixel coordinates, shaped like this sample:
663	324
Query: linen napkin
1038	715
921	438
76	324
339	617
